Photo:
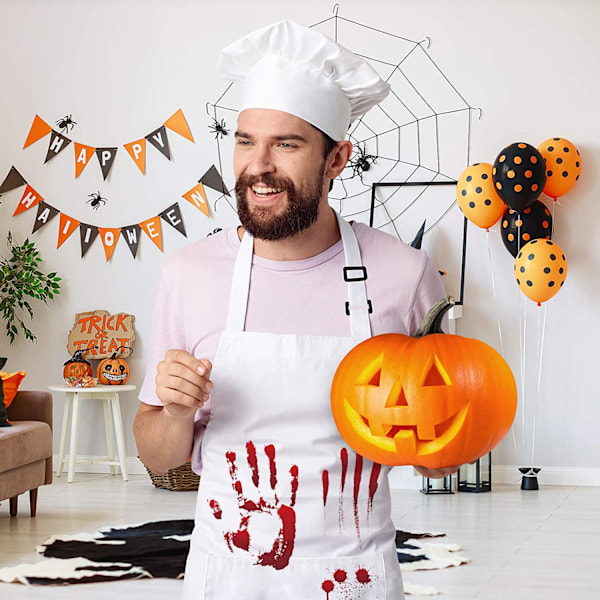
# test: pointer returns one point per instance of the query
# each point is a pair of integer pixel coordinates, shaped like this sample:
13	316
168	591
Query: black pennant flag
172	216
212	179
13	180
87	235
45	214
132	237
158	138
58	143
106	157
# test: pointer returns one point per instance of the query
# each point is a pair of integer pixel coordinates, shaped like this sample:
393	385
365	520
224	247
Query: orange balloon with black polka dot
477	197
519	175
540	270
563	166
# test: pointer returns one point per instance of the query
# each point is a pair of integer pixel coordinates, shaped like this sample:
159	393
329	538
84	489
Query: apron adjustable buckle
362	276
368	306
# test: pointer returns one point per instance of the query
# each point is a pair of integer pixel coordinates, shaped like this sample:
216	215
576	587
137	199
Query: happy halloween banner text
106	155
109	235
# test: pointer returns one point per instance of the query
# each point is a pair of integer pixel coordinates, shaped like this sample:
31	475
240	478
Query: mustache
244	181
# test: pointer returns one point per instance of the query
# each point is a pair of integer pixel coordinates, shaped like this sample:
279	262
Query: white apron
286	510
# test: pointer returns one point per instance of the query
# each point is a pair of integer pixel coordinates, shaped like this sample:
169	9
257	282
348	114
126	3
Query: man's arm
165	434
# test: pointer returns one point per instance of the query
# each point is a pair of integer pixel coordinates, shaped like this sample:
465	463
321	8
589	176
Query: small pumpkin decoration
77	366
113	370
433	400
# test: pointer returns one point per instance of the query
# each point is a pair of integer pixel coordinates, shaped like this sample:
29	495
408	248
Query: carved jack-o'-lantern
433	400
113	370
77	366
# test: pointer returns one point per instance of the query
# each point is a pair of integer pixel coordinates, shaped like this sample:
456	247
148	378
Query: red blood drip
357	476
344	459
216	509
270	452
340	576
252	462
373	483
327	586
362	576
294	474
325	478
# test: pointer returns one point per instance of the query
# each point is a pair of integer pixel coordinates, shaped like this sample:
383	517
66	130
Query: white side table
109	394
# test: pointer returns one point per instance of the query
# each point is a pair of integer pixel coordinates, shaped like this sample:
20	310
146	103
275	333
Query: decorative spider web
405	149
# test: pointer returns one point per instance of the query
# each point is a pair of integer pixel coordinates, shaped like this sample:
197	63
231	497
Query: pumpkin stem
432	323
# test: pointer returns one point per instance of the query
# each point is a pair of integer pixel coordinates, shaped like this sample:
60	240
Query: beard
300	213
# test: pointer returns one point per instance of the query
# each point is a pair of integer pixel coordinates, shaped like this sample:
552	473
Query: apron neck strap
357	306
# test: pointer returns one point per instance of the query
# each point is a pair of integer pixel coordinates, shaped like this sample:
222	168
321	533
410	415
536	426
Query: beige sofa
26	448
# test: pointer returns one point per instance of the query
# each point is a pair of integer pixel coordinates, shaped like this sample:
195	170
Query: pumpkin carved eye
436	401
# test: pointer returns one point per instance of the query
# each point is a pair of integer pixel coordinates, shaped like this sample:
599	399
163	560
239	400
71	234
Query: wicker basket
179	479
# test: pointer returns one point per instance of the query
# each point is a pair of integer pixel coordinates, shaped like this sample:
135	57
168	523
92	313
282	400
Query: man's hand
183	383
436	473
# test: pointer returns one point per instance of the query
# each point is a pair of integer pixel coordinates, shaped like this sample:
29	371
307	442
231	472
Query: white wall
122	67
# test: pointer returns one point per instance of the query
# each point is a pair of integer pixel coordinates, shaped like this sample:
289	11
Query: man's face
279	168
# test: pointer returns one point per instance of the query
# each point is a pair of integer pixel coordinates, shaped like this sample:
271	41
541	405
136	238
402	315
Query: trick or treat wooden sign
100	334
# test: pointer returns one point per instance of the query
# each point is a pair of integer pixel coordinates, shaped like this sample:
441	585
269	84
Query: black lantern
476	477
443	485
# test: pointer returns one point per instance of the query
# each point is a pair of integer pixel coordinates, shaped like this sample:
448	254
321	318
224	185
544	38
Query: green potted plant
20	281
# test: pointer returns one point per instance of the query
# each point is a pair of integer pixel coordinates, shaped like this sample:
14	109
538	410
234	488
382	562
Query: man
285	509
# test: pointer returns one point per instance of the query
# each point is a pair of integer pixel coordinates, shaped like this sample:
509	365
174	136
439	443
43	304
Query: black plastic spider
96	200
65	122
361	161
218	128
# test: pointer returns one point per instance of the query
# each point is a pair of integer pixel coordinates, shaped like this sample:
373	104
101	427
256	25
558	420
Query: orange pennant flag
30	198
197	197
83	154
39	129
153	230
178	124
137	151
66	227
109	239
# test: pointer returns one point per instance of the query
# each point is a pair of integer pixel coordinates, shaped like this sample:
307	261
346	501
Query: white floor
522	545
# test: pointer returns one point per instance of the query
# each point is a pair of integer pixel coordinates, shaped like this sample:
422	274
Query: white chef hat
297	70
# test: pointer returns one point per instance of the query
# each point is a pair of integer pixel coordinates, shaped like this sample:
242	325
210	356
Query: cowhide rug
159	549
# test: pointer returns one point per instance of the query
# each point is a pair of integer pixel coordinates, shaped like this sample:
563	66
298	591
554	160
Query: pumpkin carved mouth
115	376
405	438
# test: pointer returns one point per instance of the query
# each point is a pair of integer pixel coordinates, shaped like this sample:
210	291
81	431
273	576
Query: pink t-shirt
303	297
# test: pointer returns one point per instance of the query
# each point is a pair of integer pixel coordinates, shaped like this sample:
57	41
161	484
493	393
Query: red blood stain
252	462
373	483
294	474
340	575
362	576
216	509
283	547
344	459
270	452
327	586
241	539
280	553
325	477
230	456
357	477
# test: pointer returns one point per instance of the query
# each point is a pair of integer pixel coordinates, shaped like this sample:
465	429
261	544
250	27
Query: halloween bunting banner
106	155
109	236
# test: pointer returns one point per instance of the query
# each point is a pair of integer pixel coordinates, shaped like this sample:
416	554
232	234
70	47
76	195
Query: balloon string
489	249
523	336
540	353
